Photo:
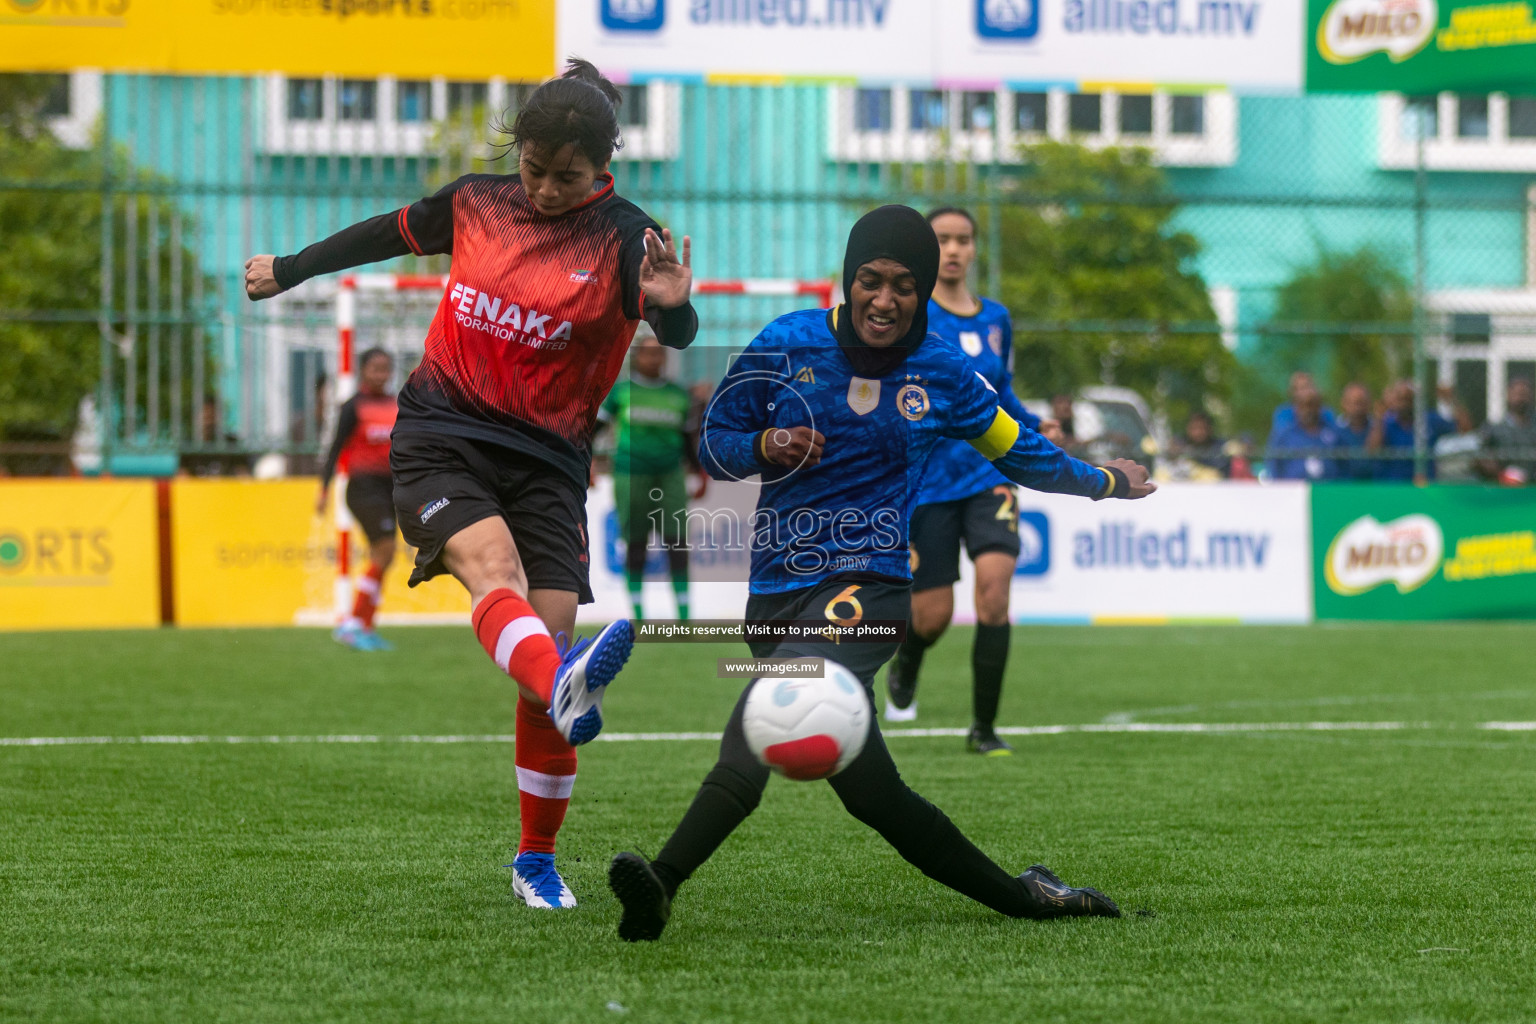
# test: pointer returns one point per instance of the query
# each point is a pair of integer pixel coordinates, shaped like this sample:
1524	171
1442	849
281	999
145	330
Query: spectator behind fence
1397	432
1304	450
305	430
1199	455
1511	442
1061	412
1359	432
1285	415
215	463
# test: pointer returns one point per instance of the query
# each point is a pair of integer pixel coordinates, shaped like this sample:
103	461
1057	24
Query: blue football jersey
955	469
849	513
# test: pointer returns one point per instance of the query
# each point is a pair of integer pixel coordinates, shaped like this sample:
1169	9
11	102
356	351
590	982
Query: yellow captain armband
999	437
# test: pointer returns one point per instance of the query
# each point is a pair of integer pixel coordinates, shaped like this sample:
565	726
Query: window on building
413	101
928	110
872	110
1471	117
56	101
633	112
1522	117
1084	112
306	99
357	99
978	111
1421	114
1471	328
1135	115
465	97
1188	115
1472	387
1029	111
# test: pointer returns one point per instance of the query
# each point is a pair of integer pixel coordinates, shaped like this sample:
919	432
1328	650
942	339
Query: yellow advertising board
78	554
411	38
255	553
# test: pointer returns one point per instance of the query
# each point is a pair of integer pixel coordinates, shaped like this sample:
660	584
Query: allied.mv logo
633	15
1034	544
1007	19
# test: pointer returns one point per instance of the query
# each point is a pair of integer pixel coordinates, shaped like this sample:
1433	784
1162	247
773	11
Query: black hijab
898	233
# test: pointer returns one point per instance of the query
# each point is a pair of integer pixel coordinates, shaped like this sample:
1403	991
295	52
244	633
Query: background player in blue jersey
964	497
838	411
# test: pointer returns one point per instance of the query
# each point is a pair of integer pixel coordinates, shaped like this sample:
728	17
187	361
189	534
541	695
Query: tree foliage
1341	310
1101	286
50	237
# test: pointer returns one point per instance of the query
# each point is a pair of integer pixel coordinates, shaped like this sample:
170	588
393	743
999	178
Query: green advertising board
1386	551
1420	46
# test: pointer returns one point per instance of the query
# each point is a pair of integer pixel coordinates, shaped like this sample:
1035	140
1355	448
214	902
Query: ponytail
579	107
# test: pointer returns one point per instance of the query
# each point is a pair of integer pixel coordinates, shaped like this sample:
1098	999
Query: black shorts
847	601
370	498
986	521
444	484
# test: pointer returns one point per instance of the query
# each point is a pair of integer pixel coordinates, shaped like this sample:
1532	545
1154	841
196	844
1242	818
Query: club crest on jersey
912	401
505	319
971	342
863	395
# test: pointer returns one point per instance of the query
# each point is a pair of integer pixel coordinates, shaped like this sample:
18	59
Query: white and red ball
807	728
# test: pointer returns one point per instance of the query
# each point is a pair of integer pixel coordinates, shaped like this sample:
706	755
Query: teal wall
756	190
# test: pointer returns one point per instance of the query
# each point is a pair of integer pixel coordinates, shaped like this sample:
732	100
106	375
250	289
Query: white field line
1209	728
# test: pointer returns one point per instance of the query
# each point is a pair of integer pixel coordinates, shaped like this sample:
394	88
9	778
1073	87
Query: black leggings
872	790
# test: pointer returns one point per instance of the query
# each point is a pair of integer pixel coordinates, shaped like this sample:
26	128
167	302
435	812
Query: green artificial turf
1297	876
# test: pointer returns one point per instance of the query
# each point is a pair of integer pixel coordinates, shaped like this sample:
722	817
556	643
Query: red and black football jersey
361	445
538	314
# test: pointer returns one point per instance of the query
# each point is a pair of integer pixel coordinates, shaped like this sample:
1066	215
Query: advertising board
78	554
1204	43
419	38
1402	552
1192	552
1420	46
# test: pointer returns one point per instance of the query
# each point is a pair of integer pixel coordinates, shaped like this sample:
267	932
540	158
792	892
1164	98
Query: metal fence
1195	248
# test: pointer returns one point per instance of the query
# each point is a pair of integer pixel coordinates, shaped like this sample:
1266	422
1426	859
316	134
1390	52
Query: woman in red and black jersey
363	425
552	272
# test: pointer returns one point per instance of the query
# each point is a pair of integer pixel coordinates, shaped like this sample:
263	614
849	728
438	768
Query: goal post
352	288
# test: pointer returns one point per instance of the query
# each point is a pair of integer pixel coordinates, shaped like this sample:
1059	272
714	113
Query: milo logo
1354	29
1367	553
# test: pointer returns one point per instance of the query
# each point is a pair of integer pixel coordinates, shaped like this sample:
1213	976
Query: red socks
546	771
517	640
368	587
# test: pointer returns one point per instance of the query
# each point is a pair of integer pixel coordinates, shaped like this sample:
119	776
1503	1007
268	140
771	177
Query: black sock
989	657
909	656
668	877
872	790
723	802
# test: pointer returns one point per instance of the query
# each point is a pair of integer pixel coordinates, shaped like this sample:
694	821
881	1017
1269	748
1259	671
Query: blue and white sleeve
732	427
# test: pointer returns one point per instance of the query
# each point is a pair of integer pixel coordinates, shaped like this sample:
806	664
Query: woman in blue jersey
964	498
837	412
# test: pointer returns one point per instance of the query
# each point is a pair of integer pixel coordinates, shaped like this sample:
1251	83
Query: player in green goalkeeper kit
655	442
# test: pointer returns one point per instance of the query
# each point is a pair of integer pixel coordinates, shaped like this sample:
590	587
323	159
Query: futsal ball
807	728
